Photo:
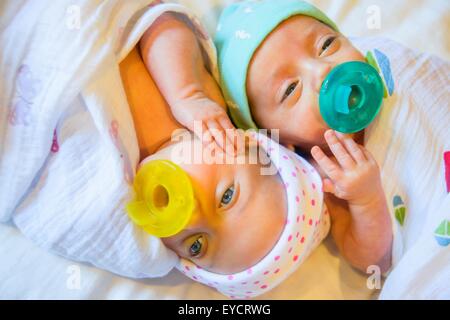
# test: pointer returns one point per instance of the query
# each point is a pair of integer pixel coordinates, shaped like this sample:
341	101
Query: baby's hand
177	64
208	120
355	176
363	232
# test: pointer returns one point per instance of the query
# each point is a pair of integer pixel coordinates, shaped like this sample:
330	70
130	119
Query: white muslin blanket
409	140
68	148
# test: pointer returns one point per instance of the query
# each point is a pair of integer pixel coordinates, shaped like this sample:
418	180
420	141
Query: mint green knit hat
242	28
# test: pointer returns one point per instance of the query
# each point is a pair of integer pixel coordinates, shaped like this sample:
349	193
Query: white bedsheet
27	271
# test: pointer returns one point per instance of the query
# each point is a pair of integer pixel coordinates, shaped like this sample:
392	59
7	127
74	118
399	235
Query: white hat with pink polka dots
306	226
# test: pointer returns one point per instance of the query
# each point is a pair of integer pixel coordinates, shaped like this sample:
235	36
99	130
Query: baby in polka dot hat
253	222
307	224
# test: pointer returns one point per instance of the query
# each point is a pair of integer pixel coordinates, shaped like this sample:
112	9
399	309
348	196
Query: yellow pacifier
164	198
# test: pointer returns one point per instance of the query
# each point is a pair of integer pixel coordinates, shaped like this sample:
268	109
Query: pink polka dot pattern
55	145
305	226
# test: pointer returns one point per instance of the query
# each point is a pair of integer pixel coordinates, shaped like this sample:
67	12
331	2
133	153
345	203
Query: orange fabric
152	117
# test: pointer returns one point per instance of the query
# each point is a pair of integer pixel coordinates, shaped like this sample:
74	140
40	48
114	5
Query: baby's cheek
305	127
349	53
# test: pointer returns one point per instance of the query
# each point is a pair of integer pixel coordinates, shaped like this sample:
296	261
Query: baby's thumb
328	186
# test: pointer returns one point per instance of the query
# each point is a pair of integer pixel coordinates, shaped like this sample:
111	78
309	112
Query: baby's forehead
300	26
298	32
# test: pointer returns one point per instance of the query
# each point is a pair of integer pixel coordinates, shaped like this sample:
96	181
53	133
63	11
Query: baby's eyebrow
273	81
275	75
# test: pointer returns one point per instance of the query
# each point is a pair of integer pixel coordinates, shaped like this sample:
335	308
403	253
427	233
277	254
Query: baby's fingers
240	143
369	156
202	132
219	136
226	123
328	186
352	147
339	151
330	168
230	133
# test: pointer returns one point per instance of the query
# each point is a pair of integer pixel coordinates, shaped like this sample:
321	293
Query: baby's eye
196	247
327	43
227	196
289	90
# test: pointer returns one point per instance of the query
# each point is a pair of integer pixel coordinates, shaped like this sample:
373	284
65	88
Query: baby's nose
320	73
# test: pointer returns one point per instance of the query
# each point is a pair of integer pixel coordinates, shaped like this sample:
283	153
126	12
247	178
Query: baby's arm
174	58
357	204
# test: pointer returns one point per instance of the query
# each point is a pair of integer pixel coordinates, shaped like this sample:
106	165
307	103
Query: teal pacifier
351	96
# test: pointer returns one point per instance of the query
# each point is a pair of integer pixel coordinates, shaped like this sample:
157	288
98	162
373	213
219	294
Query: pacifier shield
351	96
164	199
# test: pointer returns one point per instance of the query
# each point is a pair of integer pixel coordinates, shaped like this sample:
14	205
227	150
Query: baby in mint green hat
273	59
276	59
